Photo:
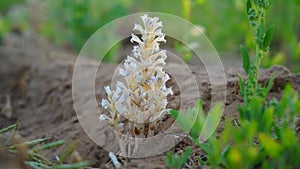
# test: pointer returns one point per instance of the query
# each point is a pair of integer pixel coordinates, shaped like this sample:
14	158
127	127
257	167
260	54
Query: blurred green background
69	23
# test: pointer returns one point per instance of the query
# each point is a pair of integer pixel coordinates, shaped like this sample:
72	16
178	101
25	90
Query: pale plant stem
145	90
140	127
151	129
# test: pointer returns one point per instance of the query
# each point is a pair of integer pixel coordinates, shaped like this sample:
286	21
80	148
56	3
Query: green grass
30	152
71	23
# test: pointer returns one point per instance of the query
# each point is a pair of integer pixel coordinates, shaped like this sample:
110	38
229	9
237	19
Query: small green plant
256	10
28	153
264	136
175	161
198	129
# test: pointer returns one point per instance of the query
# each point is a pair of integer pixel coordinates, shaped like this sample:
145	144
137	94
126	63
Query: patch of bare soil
36	90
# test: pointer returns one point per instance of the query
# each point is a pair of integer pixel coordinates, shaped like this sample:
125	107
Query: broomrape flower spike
137	106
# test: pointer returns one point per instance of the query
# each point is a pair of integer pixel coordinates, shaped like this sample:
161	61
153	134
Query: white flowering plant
137	106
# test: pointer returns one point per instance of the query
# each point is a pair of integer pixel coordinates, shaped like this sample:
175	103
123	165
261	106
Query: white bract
142	100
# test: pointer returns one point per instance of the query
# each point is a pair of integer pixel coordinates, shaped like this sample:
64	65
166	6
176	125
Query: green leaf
31	143
175	161
206	147
202	162
72	166
181	120
37	165
197	127
185	121
270	84
186	7
14	129
39	158
49	145
241	84
169	156
277	132
297	106
255	108
289	138
212	121
225	152
242	112
174	113
250	130
169	159
260	33
268	38
272	147
248	6
199	106
8	128
268	119
246	59
284	102
234	157
185	156
68	151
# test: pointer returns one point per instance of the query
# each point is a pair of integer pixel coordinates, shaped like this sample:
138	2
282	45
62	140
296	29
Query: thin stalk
259	52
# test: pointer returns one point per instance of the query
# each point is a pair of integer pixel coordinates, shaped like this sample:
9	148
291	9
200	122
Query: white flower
143	98
123	72
116	93
139	28
135	38
121	125
107	89
103	117
105	103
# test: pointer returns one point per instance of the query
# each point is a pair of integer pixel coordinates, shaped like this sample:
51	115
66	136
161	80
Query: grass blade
40	158
185	155
30	143
68	151
72	166
49	145
8	128
37	165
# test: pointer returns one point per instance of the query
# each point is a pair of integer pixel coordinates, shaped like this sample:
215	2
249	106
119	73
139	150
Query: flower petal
123	72
107	89
138	28
144	18
135	38
103	117
104	103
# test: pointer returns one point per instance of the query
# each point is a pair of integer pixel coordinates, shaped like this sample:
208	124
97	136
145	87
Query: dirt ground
36	80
